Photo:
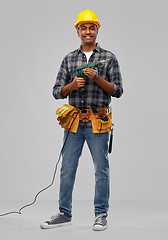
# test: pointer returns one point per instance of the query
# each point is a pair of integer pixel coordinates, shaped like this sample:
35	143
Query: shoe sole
46	226
99	228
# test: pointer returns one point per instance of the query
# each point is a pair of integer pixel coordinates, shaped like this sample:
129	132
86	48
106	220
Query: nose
87	30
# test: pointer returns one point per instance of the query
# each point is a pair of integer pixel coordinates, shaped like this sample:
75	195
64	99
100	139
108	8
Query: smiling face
88	33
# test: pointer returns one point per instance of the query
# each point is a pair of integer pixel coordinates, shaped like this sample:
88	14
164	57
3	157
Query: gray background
35	36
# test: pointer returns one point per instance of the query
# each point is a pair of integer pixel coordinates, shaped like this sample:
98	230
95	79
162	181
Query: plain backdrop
35	35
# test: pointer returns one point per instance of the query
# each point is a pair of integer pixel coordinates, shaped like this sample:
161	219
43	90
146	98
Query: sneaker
56	221
100	222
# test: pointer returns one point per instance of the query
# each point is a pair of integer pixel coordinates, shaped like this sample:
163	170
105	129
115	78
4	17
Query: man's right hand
74	85
78	83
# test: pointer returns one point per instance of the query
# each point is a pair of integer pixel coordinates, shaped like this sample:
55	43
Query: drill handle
81	74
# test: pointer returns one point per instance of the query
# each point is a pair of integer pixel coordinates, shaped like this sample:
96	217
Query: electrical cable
19	212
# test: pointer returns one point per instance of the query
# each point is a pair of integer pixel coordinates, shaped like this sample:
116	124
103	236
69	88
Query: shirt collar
97	49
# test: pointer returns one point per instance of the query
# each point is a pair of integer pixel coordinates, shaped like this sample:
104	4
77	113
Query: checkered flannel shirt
95	95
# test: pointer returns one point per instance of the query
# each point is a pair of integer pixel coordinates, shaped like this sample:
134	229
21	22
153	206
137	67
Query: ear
78	33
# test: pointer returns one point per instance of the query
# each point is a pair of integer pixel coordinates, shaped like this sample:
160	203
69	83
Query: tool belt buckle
84	115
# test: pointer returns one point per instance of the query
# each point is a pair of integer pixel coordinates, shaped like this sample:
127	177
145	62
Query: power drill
92	65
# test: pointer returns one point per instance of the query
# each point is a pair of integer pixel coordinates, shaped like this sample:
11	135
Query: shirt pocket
102	71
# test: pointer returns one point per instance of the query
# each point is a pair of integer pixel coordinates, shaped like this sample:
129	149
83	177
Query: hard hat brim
95	22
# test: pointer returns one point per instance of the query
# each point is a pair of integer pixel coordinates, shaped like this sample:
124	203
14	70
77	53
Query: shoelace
98	218
53	218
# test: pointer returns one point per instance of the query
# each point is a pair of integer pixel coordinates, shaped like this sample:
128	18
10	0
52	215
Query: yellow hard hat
87	16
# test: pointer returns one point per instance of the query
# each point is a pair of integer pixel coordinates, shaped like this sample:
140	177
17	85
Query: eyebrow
94	25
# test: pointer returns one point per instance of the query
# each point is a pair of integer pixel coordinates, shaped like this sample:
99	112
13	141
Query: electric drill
92	65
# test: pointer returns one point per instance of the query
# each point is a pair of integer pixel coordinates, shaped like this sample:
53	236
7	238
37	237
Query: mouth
88	37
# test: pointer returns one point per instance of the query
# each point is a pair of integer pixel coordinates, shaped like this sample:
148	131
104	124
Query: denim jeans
98	146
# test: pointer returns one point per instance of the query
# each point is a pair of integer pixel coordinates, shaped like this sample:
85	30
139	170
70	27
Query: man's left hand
91	73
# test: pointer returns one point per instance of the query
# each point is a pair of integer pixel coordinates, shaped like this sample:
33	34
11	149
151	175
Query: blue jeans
98	146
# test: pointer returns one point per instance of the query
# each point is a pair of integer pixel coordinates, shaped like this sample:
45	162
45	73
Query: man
99	86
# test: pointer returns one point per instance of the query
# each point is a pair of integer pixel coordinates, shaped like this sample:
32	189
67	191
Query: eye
92	28
83	28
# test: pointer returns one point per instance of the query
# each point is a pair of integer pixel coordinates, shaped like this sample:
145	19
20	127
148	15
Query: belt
85	114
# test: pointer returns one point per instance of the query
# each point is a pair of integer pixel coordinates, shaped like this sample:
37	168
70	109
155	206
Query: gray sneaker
100	222
56	221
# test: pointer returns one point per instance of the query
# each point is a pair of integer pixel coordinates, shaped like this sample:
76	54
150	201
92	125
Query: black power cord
28	205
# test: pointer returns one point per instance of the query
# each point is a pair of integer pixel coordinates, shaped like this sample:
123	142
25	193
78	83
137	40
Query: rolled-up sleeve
61	81
114	75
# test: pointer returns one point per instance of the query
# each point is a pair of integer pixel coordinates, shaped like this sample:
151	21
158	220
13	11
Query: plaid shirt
95	95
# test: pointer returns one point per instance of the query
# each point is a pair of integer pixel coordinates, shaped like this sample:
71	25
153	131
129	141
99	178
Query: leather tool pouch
86	115
72	125
98	126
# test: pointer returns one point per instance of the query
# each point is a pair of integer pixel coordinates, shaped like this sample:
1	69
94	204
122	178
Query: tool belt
70	121
86	114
